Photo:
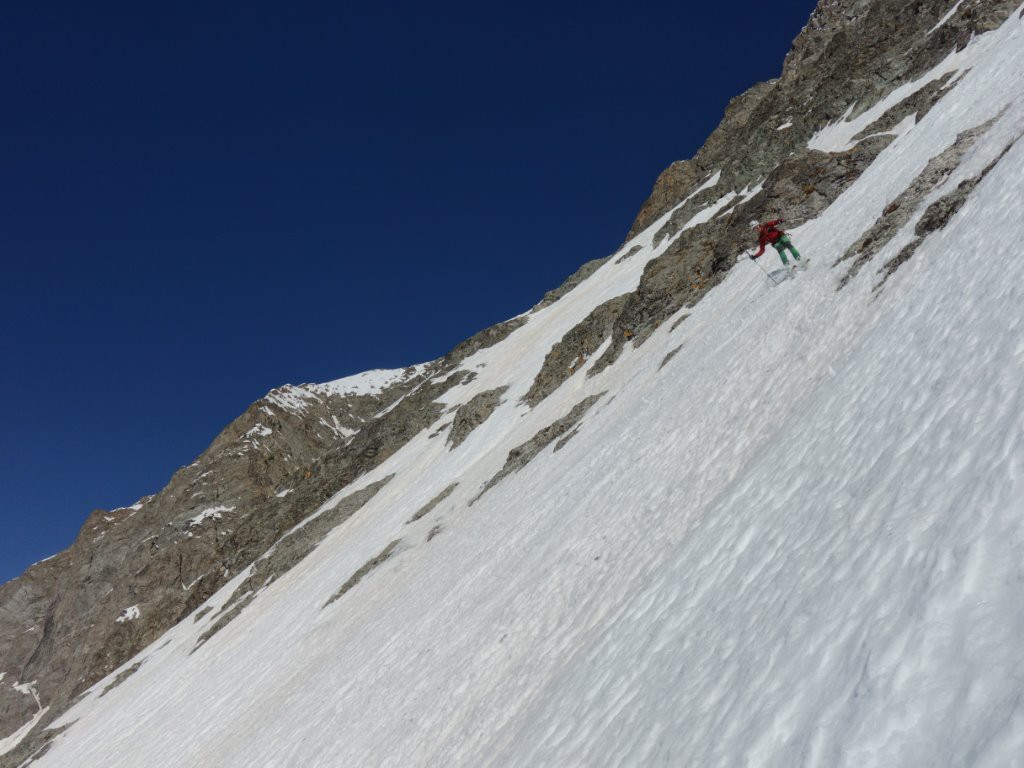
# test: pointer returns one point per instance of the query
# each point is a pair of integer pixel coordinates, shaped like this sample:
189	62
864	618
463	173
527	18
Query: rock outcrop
850	56
134	572
523	454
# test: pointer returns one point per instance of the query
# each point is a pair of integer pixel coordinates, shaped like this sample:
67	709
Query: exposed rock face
132	573
571	282
851	54
575	348
65	623
474	413
936	216
917	106
523	454
485	338
802	185
429	507
289	551
365	570
900	211
682	176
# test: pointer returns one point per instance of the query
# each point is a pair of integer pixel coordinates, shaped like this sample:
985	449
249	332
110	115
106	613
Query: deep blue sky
199	202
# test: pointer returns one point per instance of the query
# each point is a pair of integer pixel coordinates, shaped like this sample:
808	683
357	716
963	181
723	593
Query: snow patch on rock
368	383
839	136
258	431
213	513
129	614
949	15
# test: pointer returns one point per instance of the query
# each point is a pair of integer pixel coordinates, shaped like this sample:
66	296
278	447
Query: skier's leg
788	244
781	250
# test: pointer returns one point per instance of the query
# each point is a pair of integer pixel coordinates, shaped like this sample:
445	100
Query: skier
769	232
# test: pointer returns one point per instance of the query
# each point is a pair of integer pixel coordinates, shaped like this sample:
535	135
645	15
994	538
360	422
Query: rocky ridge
133	572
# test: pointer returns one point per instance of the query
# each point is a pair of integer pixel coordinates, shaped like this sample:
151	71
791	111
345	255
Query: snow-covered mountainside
675	514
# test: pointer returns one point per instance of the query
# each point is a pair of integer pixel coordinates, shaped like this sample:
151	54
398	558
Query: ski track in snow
798	543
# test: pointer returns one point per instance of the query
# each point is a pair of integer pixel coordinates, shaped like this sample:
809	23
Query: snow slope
798	542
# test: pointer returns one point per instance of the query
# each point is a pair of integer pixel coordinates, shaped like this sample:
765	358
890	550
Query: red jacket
768	233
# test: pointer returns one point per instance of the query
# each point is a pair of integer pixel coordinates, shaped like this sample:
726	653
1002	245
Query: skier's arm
762	241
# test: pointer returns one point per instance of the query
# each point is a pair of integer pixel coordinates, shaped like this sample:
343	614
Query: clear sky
202	201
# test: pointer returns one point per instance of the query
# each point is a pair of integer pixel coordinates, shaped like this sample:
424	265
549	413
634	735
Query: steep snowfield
800	541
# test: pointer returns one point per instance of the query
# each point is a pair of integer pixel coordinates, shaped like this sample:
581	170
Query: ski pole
769	274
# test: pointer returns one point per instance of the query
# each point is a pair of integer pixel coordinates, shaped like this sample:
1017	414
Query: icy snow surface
800	542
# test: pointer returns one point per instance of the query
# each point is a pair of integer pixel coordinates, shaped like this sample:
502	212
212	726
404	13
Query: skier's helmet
754	225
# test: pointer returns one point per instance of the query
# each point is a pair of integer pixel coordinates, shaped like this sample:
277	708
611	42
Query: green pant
782	245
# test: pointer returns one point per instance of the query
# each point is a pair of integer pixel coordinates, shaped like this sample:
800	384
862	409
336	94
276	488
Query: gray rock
629	254
427	508
851	53
32	748
571	282
919	104
572	351
121	677
289	551
523	454
488	337
802	186
937	216
59	621
365	570
902	209
665	361
565	439
471	415
264	474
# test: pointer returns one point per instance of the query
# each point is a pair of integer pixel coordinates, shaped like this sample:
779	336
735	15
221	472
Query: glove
751	256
